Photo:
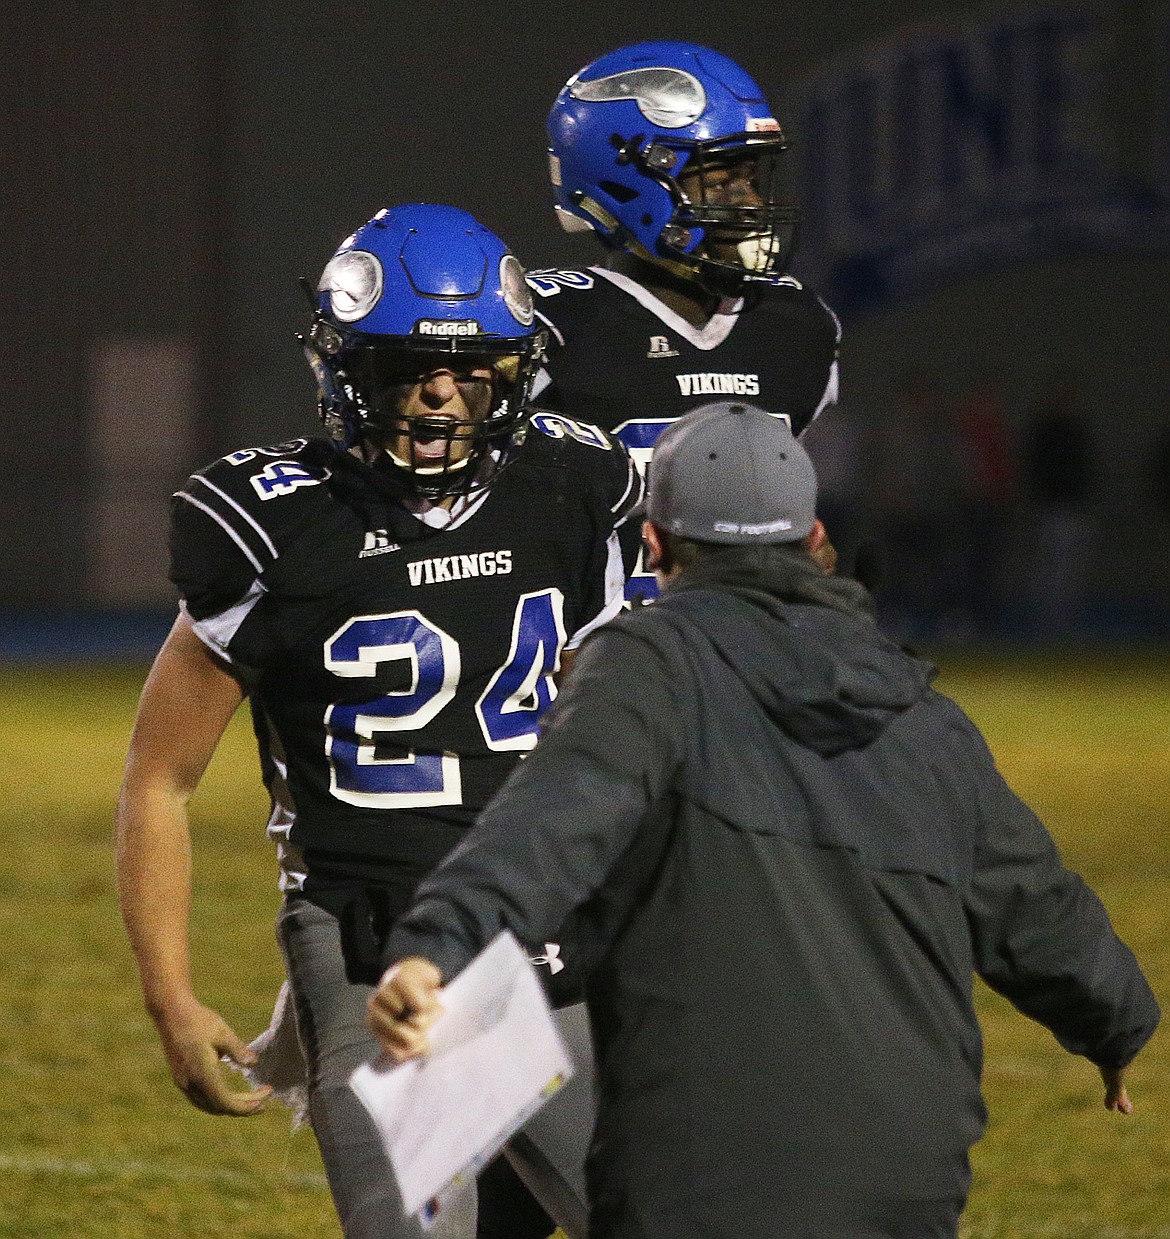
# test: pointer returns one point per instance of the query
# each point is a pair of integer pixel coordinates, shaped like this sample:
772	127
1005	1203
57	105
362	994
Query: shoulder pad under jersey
587	449
550	281
252	495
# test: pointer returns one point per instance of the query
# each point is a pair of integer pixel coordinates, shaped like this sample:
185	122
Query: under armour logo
551	956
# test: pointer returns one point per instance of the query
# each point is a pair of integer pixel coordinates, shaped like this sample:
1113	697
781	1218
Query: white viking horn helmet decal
668	98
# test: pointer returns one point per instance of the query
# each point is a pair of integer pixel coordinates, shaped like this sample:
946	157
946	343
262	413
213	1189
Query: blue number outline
533	641
367	726
558	426
282	477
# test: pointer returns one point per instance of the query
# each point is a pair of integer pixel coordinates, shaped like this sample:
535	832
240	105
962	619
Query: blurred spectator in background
990	479
1159	475
1059	473
1157	499
839	448
920	487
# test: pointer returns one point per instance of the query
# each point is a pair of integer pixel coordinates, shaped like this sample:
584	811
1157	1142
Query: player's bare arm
187	703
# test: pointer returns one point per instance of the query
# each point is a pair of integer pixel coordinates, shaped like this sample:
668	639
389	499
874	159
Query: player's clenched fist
404	1007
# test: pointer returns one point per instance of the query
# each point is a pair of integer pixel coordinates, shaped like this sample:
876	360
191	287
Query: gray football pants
549	1154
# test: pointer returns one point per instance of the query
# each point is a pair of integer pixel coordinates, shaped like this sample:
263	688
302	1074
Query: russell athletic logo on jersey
459	567
718	384
378	543
660	347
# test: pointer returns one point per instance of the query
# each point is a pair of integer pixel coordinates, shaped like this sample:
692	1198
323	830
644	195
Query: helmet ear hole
620	193
325	337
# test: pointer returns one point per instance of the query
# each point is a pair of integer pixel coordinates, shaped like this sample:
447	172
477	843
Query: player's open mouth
431	449
439	448
432	445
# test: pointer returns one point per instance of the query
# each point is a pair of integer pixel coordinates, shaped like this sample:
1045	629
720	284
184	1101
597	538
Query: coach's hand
194	1038
1116	1097
404	1006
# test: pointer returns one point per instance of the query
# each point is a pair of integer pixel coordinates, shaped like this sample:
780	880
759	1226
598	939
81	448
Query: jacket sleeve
1043	939
564	817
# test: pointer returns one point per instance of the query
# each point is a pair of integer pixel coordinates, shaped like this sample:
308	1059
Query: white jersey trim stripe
833	315
219	520
705	338
473	505
633	480
464	507
217	631
243	512
831	391
539	384
554	329
615	593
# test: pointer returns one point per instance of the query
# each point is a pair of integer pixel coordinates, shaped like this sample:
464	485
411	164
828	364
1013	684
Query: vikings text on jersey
620	358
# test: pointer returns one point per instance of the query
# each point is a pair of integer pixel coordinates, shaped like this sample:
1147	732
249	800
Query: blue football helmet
626	133
417	289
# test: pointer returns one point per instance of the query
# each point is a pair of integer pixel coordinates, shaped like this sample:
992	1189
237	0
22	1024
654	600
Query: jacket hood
805	644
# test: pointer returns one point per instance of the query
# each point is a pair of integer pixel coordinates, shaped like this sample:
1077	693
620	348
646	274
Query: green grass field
95	1141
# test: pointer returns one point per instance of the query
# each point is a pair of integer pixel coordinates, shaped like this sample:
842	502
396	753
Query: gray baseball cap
732	473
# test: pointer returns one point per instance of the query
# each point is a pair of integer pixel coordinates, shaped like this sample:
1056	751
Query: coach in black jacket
788	871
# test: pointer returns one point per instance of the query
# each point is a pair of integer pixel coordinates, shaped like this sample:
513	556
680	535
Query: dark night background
172	169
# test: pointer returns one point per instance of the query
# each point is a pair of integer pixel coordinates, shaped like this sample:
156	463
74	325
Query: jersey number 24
508	710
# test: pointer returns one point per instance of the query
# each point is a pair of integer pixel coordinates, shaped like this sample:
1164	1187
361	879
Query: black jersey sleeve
612	491
625	486
628	512
612	477
211	565
564	318
228	523
800	337
624	496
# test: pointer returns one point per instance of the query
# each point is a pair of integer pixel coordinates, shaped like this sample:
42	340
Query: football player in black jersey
394	602
670	154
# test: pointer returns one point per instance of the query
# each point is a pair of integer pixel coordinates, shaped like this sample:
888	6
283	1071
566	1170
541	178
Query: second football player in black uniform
394	602
670	154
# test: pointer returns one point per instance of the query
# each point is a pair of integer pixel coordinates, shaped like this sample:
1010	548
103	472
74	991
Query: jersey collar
435	516
710	336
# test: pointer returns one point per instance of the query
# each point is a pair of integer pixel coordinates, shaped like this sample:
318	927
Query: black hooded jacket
789	855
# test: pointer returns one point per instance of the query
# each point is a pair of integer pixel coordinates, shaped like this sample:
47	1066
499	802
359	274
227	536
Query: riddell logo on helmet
447	327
